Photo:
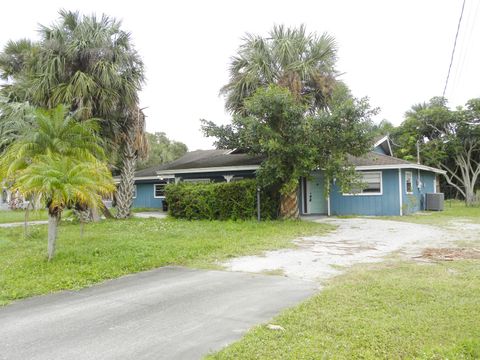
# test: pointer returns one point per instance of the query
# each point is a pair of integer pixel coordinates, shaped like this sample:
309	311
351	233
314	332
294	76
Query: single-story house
393	186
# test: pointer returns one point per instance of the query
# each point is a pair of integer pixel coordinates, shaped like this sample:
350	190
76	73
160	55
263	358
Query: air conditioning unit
434	201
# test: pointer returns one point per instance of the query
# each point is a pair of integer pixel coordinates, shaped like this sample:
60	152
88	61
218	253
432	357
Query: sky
396	53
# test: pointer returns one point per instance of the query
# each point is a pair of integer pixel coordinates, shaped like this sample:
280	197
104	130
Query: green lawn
454	211
113	248
381	311
19	216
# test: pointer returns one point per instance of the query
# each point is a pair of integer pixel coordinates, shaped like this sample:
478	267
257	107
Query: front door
314	195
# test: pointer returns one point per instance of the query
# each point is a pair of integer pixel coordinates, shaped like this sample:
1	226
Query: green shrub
219	201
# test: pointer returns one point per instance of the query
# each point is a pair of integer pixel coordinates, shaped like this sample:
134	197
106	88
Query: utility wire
454	46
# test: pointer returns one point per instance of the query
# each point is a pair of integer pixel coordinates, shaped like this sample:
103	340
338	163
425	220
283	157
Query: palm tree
55	132
89	64
42	132
62	182
303	63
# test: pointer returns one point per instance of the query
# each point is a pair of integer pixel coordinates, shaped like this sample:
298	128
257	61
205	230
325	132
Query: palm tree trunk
126	186
53	220
25	223
289	205
106	212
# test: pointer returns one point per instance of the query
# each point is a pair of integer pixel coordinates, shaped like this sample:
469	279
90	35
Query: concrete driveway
167	313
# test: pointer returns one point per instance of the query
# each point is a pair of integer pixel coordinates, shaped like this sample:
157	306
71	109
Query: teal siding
415	202
145	198
386	204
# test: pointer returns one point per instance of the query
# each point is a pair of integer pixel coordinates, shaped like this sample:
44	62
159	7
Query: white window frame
134	191
155	190
369	193
406	182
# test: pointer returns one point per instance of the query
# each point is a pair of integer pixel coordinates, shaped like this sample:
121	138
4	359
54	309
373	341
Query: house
393	186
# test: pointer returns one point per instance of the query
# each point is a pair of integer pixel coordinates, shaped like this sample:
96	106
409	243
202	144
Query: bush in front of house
219	201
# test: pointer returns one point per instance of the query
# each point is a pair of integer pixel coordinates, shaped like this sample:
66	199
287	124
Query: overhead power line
453	50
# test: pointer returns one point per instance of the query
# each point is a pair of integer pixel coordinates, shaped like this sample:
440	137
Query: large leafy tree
90	64
161	150
304	65
445	138
294	144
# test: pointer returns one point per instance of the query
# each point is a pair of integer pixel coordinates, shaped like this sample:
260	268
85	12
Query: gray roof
373	159
204	159
201	159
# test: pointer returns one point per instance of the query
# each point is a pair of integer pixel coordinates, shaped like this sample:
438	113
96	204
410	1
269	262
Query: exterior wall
416	201
145	196
386	204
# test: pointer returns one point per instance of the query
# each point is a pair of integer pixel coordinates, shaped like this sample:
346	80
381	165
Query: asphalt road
167	313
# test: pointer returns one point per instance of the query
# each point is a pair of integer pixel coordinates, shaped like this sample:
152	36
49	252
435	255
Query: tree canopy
448	139
275	125
161	150
288	105
300	61
89	64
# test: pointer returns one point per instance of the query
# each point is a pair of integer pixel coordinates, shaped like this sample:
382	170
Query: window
372	183
409	182
159	188
134	191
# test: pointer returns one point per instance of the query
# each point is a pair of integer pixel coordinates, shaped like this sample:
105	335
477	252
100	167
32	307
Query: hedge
219	201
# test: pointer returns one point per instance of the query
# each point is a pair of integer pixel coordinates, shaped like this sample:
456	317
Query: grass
453	211
383	311
12	216
113	248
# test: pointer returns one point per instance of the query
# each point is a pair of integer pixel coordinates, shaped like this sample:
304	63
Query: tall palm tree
88	63
62	182
303	63
289	57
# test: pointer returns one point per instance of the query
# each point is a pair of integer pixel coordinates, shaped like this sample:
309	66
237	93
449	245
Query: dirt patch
450	254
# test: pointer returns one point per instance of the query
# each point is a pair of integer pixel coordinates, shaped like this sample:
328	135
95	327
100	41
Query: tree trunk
25	223
106	212
470	198
126	186
289	205
94	215
53	220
